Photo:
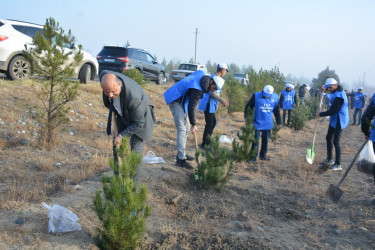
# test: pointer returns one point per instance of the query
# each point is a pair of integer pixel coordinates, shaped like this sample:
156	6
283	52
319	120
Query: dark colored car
119	59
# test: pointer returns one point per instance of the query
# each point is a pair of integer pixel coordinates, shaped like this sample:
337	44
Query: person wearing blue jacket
209	103
368	122
338	113
287	101
183	98
266	105
359	104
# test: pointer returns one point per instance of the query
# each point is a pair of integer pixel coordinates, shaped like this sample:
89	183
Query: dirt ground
280	204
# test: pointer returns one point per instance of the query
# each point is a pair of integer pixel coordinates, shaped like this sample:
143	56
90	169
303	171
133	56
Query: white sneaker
336	167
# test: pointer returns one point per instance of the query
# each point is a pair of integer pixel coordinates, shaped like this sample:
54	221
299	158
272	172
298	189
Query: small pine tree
123	212
50	59
299	117
135	74
247	136
274	132
214	170
235	93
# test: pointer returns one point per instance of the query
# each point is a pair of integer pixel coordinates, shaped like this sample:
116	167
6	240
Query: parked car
14	35
186	69
119	59
242	78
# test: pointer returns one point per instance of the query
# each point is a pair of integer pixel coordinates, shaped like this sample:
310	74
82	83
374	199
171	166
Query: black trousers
284	115
333	139
210	120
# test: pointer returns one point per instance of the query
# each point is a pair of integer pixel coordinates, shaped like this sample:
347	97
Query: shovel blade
334	193
310	155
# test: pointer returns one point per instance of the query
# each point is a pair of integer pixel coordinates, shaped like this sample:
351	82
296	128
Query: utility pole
196	39
364	74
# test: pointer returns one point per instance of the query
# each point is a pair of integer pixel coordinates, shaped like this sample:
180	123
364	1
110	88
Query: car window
20	28
141	56
1	24
188	67
149	58
31	31
113	52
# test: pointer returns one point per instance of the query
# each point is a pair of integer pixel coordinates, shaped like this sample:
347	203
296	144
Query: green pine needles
242	151
123	211
214	170
50	58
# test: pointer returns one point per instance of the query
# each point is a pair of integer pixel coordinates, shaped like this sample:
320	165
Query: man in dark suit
133	110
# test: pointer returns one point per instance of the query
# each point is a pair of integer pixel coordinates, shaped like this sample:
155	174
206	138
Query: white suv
13	37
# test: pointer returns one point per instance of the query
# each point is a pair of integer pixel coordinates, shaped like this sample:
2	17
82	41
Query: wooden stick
196	142
176	199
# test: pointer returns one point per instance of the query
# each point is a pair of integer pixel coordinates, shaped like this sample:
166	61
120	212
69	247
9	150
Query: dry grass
284	197
89	168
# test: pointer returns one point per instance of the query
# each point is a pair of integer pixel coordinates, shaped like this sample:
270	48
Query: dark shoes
254	160
184	164
327	163
188	158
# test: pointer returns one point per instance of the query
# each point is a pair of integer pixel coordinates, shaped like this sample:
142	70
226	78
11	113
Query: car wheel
161	78
19	68
85	74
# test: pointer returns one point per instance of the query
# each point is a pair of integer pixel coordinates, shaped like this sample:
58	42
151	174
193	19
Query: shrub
299	117
134	74
213	170
242	152
123	212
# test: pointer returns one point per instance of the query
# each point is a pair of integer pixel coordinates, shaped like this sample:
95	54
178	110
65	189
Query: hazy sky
302	38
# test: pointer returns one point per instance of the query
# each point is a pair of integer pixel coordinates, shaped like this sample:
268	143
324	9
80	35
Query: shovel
196	142
310	154
334	192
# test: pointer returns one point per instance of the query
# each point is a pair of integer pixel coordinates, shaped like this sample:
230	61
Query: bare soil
280	204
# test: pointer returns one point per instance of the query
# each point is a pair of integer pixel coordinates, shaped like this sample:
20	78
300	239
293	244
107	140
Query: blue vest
372	133
264	107
288	98
358	98
343	113
179	89
213	101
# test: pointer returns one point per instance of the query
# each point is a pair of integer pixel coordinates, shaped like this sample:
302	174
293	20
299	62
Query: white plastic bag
366	160
225	139
61	219
151	158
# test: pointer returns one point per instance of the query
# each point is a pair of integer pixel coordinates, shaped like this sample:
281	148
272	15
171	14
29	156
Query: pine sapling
243	151
213	170
123	211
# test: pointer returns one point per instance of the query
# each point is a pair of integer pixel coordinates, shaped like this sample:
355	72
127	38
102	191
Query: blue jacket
358	100
264	107
343	113
288	99
372	133
180	88
213	101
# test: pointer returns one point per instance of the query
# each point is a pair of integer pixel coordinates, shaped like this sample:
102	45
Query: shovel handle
316	118
196	142
351	164
116	134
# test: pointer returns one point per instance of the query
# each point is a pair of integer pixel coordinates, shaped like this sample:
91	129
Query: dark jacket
136	107
367	116
302	91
